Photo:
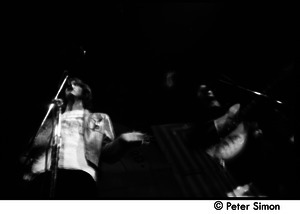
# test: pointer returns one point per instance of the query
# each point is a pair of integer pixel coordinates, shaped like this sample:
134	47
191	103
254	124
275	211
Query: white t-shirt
72	150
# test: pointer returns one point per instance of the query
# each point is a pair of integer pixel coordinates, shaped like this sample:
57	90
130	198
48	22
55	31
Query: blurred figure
223	133
87	138
212	120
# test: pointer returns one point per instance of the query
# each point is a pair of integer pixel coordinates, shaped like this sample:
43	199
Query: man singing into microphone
85	136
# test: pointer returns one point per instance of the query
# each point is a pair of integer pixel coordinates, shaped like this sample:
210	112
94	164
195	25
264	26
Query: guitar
235	140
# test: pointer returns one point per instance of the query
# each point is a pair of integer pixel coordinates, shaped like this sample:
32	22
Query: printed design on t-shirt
72	126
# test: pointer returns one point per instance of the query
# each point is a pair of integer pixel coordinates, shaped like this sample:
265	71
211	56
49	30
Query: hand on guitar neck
228	121
232	133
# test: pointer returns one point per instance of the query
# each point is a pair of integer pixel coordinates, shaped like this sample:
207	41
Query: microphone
69	84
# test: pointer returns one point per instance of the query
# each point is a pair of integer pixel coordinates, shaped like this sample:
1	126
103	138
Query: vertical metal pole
55	147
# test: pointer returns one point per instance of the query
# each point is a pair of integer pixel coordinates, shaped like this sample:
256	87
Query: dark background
124	51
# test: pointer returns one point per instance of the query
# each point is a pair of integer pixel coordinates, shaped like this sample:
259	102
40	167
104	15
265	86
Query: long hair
86	96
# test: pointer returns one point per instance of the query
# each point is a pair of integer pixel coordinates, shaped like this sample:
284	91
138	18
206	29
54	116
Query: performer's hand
134	138
227	122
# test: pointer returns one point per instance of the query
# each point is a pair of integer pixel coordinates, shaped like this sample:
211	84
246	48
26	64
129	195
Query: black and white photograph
138	100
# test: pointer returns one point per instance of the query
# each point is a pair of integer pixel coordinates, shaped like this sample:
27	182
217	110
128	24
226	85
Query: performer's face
75	89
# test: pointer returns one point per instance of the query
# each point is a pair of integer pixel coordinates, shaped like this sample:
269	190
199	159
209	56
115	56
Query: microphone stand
52	104
55	147
56	143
